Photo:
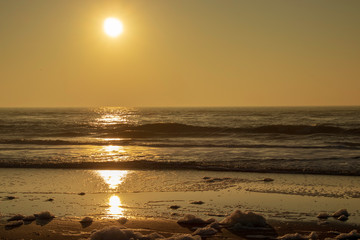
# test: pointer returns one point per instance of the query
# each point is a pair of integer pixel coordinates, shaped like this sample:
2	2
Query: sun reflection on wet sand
112	177
115	207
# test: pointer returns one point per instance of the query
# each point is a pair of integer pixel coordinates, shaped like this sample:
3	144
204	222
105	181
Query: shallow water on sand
115	193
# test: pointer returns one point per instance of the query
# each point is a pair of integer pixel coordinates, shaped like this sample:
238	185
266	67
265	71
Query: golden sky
180	53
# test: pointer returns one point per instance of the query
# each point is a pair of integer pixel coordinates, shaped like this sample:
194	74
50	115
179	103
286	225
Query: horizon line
244	106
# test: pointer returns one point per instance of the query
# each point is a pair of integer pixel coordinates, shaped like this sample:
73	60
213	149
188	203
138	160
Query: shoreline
171	166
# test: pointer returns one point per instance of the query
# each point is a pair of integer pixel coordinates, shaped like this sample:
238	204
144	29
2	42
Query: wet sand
116	193
290	203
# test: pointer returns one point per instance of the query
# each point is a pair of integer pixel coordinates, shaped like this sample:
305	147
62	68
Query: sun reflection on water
115	115
112	119
113	178
115	207
114	150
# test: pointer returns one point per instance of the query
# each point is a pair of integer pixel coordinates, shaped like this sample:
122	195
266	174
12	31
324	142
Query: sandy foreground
73	229
153	201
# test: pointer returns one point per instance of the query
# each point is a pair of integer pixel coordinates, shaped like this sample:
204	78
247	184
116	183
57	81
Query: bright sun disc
113	27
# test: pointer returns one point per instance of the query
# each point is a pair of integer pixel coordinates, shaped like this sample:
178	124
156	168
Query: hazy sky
180	53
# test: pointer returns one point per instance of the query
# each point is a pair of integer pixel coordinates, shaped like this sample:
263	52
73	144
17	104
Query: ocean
310	140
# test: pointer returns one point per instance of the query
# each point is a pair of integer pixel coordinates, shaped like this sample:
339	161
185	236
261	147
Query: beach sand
71	229
289	203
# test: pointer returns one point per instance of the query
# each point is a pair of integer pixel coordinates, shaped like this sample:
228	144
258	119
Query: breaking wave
151	143
173	130
184	130
168	128
175	165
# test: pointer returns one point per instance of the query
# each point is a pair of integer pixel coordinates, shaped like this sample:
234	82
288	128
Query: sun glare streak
113	178
115	206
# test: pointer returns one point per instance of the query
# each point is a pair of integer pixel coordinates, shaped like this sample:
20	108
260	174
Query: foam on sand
117	233
351	235
184	237
340	213
215	225
205	232
45	215
190	219
298	236
238	219
109	233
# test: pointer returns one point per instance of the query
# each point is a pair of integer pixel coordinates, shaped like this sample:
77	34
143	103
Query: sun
113	27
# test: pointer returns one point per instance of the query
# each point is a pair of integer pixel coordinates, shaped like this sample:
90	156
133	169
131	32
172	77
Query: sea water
324	140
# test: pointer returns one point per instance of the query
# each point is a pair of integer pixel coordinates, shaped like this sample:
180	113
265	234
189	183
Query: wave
191	165
57	142
170	130
348	144
150	143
